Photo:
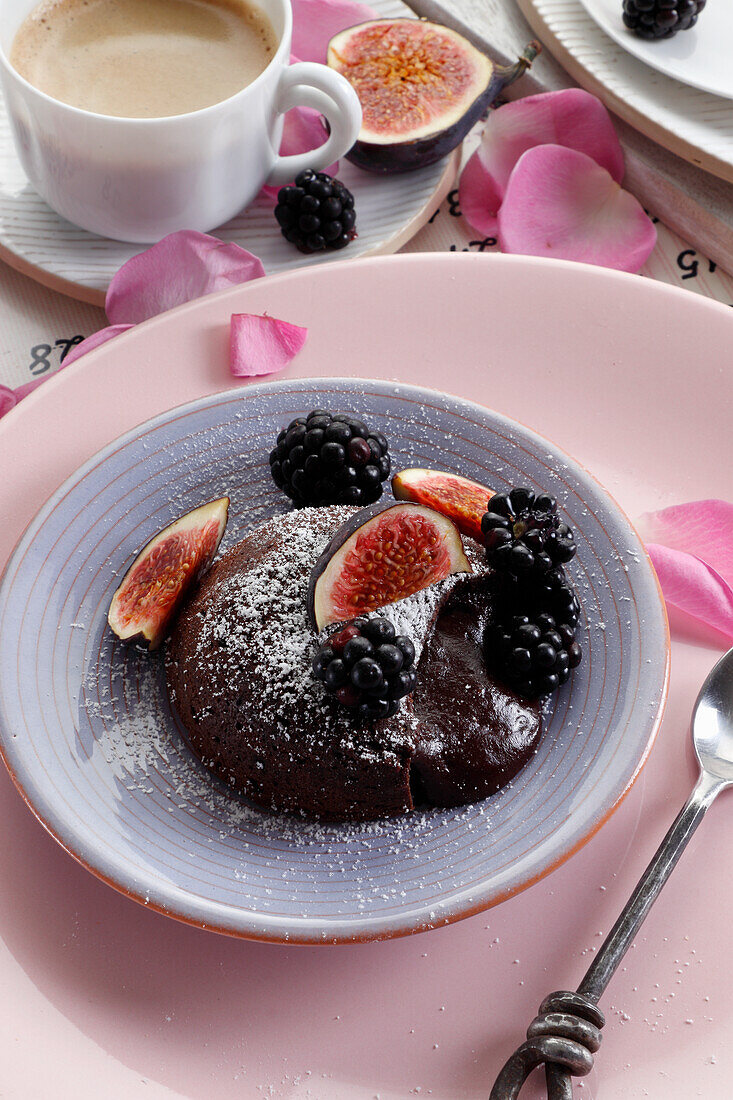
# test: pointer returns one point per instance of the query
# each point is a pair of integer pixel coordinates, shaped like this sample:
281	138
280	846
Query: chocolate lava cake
239	676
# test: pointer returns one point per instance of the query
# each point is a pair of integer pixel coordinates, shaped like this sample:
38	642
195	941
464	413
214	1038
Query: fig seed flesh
460	499
153	587
380	555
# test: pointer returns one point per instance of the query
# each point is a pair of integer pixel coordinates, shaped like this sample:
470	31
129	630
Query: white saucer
699	57
39	243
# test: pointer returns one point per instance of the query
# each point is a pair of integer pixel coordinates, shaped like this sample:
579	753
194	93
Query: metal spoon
566	1033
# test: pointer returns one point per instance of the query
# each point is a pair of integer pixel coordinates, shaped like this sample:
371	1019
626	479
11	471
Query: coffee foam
143	58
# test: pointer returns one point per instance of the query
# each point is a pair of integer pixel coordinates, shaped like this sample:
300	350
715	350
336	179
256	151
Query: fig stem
510	73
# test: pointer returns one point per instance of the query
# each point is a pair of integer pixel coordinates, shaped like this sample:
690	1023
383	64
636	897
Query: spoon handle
664	861
566	1033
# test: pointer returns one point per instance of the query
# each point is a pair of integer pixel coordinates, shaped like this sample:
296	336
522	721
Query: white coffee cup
137	179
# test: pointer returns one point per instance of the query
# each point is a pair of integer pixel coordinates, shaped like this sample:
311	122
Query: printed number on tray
689	265
45	357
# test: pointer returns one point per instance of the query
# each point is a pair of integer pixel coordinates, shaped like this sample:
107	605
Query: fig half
153	588
421	86
460	499
380	555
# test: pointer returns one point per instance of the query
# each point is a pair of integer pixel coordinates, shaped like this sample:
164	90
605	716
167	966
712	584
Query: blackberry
330	458
529	616
532	653
367	667
530	642
524	535
316	213
550	592
661	18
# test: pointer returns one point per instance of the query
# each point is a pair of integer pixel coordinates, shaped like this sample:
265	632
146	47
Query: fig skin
150	625
402	153
319	604
460	499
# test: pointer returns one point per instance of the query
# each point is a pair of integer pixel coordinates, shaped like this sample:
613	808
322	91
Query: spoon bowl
712	721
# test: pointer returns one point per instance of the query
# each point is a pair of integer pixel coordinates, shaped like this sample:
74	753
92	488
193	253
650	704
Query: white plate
694	125
36	241
699	57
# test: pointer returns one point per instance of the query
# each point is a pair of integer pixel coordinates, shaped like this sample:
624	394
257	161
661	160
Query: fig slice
460	499
380	555
153	588
422	87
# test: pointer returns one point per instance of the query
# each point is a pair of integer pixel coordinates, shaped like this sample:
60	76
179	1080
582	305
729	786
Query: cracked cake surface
239	674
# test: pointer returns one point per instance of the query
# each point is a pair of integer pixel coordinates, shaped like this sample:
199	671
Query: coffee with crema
143	58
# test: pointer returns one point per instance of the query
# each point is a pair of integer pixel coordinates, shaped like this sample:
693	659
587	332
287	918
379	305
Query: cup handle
307	84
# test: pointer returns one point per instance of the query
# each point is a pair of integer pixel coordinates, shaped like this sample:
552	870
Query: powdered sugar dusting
136	738
258	613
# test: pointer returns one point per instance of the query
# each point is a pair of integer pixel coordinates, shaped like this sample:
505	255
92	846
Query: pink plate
625	375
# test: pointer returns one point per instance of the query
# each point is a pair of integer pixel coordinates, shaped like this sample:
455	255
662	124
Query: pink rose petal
572	118
183	266
695	587
262	345
478	196
701	527
29	387
8	400
691	546
315	22
94	341
559	202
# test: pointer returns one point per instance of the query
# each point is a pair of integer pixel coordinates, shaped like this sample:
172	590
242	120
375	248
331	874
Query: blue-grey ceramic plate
87	733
